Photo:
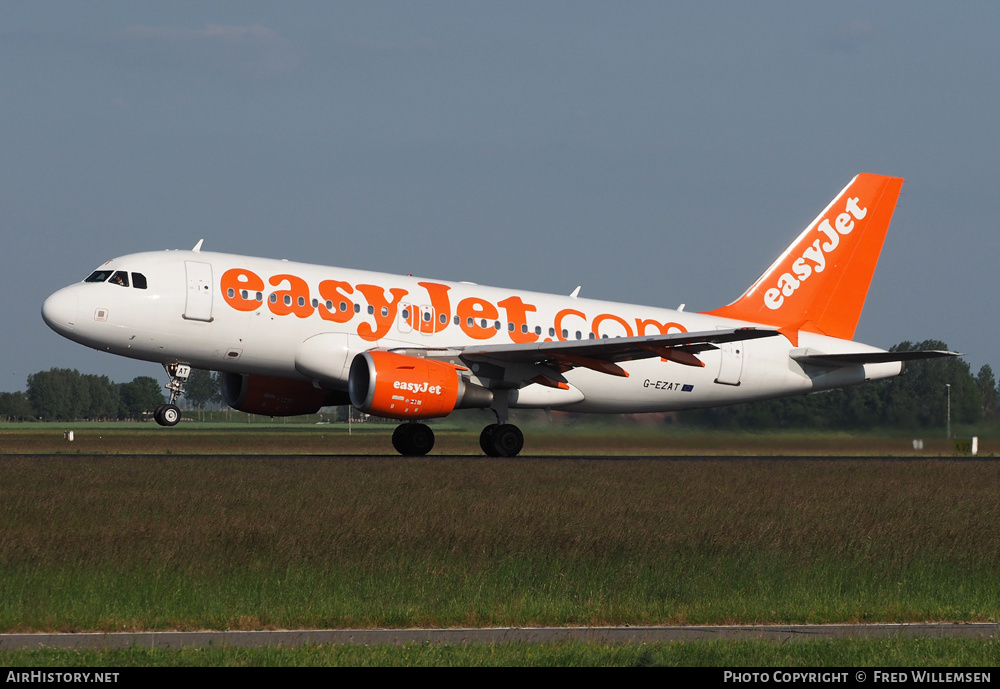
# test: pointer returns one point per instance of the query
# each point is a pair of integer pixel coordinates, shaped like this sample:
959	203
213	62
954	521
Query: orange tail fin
820	282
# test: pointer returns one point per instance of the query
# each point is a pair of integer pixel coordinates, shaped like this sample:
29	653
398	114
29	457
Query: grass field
459	436
842	653
127	531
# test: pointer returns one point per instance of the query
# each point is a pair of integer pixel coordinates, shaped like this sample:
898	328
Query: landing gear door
731	363
198	306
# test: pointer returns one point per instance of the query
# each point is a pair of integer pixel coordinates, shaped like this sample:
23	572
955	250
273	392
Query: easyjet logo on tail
820	282
814	256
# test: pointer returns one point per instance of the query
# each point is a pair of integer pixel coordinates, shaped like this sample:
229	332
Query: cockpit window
98	276
138	280
120	278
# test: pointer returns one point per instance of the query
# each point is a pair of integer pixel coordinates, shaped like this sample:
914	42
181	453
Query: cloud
247	50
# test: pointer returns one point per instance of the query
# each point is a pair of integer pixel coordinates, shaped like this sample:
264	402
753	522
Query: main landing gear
496	440
169	414
413	439
501	440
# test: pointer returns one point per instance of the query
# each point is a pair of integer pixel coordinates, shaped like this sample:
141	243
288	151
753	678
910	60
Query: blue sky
656	153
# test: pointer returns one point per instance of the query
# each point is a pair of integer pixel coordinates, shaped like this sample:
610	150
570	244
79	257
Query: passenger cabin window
98	276
120	278
138	280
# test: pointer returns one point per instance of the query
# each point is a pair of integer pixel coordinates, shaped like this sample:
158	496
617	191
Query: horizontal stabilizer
856	358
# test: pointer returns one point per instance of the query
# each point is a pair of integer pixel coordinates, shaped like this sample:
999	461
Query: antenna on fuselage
197	247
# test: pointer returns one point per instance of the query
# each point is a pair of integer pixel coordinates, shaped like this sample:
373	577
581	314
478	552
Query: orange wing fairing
478	318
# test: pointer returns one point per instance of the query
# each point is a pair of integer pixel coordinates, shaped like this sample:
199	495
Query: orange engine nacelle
276	396
399	386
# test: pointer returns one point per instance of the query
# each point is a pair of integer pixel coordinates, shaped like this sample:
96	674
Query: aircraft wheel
158	414
486	440
401	438
421	439
413	439
170	415
507	440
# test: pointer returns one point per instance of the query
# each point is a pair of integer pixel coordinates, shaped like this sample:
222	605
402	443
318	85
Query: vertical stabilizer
820	282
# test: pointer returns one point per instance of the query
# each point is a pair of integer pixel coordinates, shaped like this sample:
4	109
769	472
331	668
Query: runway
535	635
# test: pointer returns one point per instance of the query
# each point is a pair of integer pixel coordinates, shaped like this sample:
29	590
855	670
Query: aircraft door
198	305
426	320
406	319
731	363
413	318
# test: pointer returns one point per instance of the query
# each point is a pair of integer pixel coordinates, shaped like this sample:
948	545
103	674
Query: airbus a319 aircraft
289	338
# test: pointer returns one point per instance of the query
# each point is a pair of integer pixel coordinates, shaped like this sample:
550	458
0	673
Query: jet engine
276	396
400	386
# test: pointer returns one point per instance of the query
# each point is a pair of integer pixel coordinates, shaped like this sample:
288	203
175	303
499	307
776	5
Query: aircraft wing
603	355
853	359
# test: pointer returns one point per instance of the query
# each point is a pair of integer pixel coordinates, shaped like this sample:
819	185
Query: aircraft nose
59	311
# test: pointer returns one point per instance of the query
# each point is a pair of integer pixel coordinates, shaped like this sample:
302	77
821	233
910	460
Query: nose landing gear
169	414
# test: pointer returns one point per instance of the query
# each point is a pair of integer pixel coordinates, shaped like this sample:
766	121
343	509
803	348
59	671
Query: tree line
62	394
918	398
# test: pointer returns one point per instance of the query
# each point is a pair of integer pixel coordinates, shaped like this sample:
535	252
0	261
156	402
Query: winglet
197	247
820	282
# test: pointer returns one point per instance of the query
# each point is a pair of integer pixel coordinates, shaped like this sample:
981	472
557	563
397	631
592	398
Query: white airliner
289	338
